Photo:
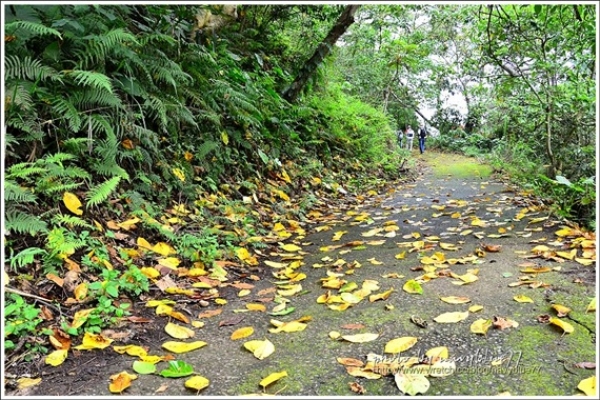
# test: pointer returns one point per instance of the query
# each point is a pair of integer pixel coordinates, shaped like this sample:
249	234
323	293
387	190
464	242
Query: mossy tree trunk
345	19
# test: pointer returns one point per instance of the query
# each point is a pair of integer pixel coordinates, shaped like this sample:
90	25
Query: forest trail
456	234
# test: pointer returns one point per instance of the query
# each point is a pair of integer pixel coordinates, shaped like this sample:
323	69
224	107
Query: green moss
541	372
457	166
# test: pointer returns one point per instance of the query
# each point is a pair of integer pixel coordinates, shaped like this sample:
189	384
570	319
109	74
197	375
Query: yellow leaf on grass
56	358
260	348
197	383
163	249
242	333
561	310
179	174
80	317
334	335
121	381
451	317
455	299
244	292
169	262
72	203
361	337
92	341
401	255
291	247
132	350
182	347
274	377
564	325
592	306
521	298
481	326
178	331
150	272
143	243
225	138
399	345
588	386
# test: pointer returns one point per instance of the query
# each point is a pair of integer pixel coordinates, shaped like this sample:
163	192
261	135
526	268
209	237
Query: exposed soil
537	358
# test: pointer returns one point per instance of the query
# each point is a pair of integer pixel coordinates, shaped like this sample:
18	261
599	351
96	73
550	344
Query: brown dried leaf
231	321
353	326
356	388
210	313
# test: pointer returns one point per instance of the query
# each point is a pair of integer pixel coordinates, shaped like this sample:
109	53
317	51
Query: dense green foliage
137	108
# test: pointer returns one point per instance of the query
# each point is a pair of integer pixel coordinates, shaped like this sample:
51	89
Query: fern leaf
20	222
26	257
62	219
89	78
15	193
32	27
100	193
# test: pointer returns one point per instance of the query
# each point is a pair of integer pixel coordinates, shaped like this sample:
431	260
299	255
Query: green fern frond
20	222
116	37
68	111
57	188
24	170
35	28
100	193
91	98
206	148
15	193
20	96
70	220
57	158
89	78
26	68
75	146
158	109
26	257
111	168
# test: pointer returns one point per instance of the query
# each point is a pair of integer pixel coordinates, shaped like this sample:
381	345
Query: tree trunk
344	21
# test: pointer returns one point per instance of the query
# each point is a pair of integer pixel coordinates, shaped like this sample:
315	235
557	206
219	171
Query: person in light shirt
410	135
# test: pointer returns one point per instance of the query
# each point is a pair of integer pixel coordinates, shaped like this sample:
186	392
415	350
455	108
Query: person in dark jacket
422	136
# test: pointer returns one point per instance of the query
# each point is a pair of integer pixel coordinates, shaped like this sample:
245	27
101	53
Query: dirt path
444	223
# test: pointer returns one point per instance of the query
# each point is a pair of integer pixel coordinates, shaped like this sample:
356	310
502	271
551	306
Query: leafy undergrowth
97	261
176	281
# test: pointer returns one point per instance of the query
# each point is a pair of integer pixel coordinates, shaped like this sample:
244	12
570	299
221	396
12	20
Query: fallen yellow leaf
274	377
260	348
182	347
197	383
399	345
72	203
242	333
178	331
56	358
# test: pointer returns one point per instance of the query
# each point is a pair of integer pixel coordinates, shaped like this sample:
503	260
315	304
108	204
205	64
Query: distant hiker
410	135
400	135
422	136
